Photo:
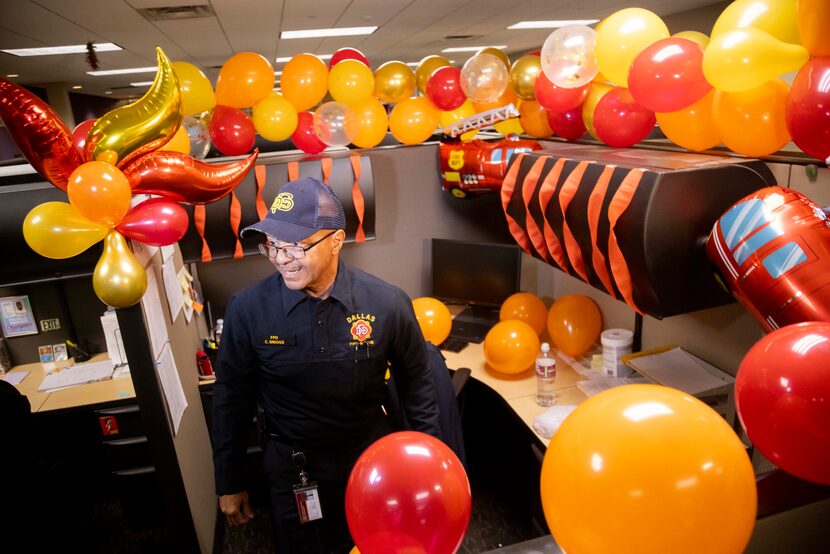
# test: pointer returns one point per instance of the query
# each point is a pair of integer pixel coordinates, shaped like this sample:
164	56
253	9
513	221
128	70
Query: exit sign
50	324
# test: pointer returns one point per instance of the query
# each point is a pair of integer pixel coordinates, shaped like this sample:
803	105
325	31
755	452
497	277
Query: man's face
314	272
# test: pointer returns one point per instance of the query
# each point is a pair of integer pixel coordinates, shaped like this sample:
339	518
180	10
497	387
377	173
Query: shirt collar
341	291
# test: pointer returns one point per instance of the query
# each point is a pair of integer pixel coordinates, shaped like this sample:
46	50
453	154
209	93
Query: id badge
308	502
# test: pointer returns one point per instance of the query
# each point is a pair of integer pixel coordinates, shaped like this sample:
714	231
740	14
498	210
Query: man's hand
236	508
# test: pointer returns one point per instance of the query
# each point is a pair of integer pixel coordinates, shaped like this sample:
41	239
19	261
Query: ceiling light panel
58	50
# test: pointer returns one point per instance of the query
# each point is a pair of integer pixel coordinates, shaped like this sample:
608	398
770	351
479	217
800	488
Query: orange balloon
304	81
100	192
245	79
595	94
647	469
534	119
179	143
526	307
812	17
414	120
434	318
574	324
693	126
753	122
511	346
507	97
372	123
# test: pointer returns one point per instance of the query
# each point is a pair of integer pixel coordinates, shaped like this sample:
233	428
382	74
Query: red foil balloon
157	222
39	133
348	54
567	124
808	108
444	88
179	177
668	75
304	136
621	121
231	131
408	491
80	132
783	399
559	99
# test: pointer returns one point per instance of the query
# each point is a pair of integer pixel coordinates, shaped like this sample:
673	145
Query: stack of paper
77	375
681	370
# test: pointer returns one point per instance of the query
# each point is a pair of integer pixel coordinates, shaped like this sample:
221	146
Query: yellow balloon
414	120
509	127
753	122
651	470
197	92
595	94
350	82
119	279
621	37
453	116
497	52
56	230
523	75
743	59
425	68
695	36
776	17
274	117
304	81
692	127
372	123
143	126
180	142
394	82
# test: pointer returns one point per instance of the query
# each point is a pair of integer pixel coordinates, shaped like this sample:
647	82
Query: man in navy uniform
312	343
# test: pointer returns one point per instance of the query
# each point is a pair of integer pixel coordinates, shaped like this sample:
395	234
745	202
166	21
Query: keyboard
453	345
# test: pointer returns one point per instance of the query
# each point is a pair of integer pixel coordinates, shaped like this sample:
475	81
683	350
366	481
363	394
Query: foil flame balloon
39	133
119	279
143	126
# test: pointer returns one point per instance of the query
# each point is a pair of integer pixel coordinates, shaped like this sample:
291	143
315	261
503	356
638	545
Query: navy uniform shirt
317	366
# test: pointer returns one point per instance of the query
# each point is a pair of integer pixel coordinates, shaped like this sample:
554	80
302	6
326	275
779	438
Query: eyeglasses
293	251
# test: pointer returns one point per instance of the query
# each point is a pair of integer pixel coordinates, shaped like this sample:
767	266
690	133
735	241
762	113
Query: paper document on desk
78	374
15	378
678	369
592	387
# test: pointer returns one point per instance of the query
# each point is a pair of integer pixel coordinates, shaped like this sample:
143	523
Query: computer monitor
475	273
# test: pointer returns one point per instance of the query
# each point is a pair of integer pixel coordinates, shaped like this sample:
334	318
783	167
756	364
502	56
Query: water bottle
217	332
545	377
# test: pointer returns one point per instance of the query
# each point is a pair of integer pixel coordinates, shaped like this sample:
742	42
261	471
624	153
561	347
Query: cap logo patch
284	202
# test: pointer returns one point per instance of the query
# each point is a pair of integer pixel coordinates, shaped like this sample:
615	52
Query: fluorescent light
554	24
283	59
277	73
107	92
142	84
77	87
471	48
333	32
101	73
54	50
12	75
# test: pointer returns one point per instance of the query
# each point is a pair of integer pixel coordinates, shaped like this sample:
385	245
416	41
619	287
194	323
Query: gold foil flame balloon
56	230
119	279
143	126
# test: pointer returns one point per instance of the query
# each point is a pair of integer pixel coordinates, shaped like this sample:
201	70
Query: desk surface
110	390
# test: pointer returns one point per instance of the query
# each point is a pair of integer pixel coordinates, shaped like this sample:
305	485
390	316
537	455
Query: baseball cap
300	208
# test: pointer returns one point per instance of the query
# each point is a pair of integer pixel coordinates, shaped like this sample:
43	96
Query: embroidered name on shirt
277	340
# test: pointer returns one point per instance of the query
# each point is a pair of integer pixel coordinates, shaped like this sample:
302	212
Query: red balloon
179	177
808	108
620	121
80	132
231	131
783	399
39	134
408	491
157	222
304	136
559	99
668	75
348	54
444	88
567	124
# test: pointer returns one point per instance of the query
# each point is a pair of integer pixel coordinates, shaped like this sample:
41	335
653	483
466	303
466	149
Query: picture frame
17	317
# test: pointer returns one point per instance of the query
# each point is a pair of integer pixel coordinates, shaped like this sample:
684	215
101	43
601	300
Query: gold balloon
119	279
425	69
143	126
523	76
394	82
497	53
56	230
595	94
